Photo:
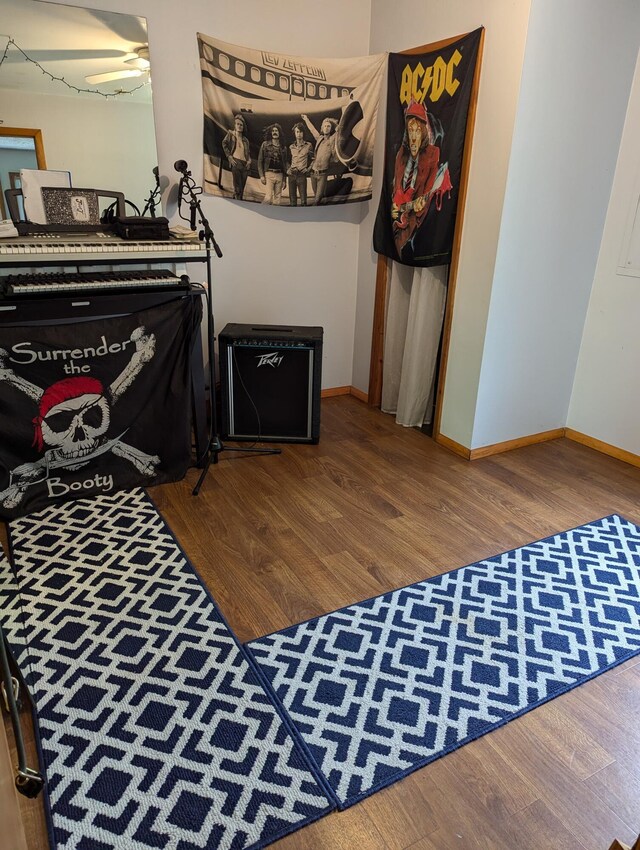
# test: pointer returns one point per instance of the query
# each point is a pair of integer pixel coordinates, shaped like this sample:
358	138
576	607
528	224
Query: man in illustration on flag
236	147
418	176
272	164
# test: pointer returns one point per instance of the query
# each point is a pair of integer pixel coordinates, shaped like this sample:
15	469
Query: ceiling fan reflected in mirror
138	63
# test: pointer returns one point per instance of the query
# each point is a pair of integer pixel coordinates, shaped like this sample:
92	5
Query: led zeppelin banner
288	130
427	106
94	407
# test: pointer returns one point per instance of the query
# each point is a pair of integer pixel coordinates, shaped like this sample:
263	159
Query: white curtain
413	327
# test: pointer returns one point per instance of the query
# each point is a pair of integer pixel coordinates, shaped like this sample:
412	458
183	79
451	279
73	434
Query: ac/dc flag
94	407
427	106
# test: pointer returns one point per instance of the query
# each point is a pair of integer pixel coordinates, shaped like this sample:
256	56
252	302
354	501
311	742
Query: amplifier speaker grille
271	380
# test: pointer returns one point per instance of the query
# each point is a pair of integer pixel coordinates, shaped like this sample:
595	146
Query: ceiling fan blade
128	27
96	79
63	55
139	63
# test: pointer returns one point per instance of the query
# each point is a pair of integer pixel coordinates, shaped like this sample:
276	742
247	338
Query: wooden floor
373	507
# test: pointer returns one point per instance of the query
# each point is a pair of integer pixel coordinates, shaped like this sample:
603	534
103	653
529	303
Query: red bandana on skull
59	392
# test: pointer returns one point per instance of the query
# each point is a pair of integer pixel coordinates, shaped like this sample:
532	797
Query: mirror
104	134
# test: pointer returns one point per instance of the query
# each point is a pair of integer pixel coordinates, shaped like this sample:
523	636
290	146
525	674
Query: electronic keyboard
93	248
52	283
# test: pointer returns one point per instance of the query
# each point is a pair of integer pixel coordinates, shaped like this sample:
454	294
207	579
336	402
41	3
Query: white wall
397	26
605	403
578	67
105	144
280	266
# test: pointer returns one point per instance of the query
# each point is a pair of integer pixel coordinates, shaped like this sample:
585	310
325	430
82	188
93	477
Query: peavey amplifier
270	378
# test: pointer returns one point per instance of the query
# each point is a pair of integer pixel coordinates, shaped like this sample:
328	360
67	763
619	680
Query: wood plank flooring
376	506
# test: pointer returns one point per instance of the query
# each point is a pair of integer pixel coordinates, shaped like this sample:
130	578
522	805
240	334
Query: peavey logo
274	359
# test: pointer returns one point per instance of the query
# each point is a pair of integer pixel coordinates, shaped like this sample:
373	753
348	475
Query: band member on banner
300	158
418	175
324	156
236	147
272	164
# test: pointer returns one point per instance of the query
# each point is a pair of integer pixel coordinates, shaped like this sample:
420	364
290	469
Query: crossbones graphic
73	419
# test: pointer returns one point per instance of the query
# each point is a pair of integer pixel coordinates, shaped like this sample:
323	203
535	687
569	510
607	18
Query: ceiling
17	143
68	42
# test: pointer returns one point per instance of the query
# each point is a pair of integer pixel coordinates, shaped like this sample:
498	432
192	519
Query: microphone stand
151	202
188	189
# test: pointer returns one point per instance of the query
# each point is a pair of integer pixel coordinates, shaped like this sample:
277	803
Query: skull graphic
74	418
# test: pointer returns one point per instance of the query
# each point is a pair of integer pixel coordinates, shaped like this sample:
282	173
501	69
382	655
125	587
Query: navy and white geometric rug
382	687
155	729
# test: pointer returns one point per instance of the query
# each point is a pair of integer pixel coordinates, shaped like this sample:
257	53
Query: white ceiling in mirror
72	43
17	143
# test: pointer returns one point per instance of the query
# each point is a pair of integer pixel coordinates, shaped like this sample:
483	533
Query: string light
53	78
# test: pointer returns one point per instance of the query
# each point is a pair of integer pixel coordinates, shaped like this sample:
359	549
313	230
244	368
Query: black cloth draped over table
93	407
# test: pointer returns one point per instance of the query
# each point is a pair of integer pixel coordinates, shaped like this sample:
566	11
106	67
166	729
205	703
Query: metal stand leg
214	445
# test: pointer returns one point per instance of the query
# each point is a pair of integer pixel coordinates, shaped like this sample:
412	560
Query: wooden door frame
382	269
34	134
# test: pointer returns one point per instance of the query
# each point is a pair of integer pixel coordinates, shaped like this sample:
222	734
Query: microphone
156	174
181	166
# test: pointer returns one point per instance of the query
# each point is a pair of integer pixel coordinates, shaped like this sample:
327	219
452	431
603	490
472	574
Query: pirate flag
427	105
94	407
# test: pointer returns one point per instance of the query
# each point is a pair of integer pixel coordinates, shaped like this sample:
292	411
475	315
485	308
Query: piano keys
93	248
52	283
